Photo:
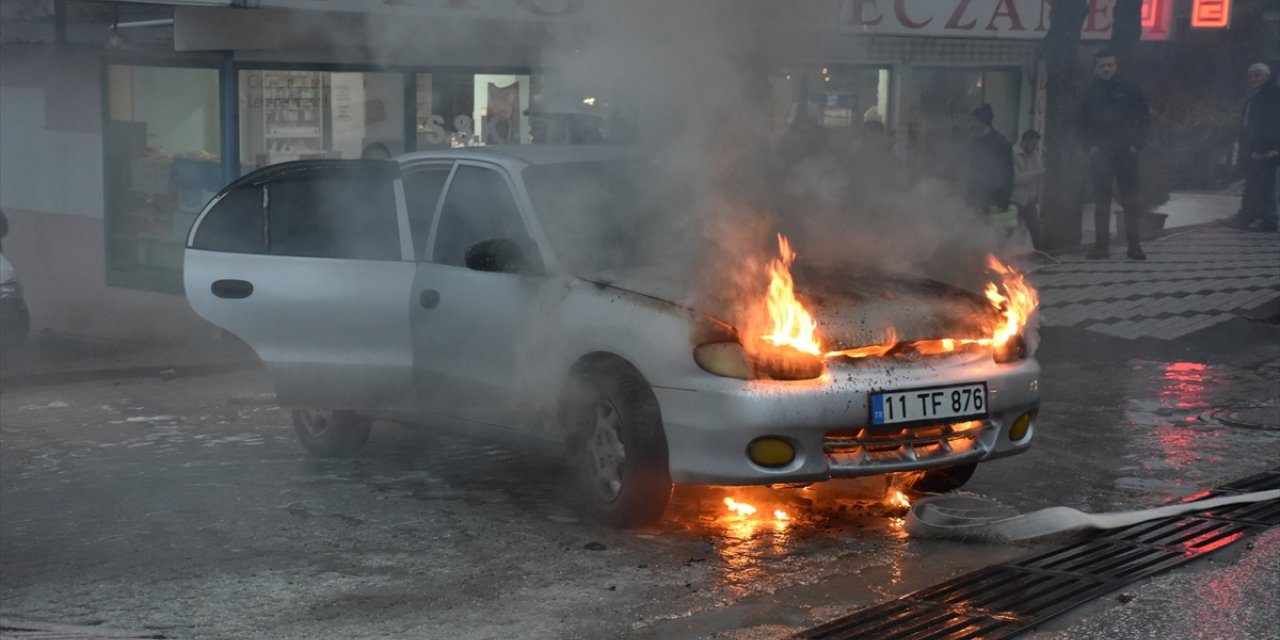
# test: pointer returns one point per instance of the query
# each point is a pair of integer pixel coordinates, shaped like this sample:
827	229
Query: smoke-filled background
724	176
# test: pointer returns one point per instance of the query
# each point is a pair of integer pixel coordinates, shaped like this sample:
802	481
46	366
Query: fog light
1020	427
771	452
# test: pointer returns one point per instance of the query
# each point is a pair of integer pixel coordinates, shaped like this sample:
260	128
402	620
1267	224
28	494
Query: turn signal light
771	452
1020	427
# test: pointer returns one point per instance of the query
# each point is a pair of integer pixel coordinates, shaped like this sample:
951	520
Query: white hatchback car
436	284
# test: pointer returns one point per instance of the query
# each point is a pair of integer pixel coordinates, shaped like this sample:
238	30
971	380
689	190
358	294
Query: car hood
853	307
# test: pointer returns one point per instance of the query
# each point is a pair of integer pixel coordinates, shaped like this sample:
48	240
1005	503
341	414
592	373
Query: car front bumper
710	426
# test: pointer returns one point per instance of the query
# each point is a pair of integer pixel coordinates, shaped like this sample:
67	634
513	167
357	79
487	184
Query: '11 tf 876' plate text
930	404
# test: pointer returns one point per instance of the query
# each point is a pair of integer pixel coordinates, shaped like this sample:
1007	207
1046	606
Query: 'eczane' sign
999	19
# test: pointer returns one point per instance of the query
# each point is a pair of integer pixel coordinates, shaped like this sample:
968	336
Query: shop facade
233	95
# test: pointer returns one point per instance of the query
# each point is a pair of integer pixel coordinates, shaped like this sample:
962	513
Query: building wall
51	190
50	132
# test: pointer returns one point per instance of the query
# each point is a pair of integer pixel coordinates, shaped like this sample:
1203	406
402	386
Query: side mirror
499	255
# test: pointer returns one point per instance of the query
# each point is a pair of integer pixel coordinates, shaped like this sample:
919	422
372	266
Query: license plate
930	404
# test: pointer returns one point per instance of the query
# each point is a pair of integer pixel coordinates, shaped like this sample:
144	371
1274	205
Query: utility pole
1063	171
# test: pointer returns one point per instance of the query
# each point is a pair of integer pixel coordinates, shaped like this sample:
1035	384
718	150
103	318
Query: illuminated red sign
1210	14
1155	19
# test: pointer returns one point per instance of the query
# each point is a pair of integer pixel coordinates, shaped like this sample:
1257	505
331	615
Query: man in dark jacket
1259	151
990	165
1114	119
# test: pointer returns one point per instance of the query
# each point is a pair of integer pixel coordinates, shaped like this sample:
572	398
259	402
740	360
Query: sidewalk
1197	275
56	359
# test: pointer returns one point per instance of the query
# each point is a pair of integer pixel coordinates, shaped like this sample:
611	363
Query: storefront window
304	115
457	110
163	148
942	100
840	98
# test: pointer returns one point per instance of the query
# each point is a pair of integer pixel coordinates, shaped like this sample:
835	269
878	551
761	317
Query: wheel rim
316	423
606	452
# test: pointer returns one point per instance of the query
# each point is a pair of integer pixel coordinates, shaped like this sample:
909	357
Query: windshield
589	211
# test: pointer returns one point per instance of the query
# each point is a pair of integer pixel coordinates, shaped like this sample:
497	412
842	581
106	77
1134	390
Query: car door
310	262
474	330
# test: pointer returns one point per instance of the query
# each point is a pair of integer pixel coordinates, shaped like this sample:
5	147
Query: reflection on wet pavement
1164	418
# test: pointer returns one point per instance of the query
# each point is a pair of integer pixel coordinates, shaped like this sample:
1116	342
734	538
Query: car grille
893	448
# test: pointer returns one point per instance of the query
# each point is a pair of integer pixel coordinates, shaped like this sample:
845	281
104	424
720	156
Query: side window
234	224
422	189
479	206
347	212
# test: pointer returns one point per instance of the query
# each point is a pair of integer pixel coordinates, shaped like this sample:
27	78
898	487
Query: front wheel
944	479
327	433
619	447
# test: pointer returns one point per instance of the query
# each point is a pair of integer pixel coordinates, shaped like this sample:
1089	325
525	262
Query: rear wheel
327	433
945	479
618	444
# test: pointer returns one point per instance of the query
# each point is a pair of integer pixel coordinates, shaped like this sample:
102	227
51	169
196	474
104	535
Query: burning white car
447	284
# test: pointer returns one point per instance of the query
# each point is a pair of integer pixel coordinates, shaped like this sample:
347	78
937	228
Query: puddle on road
1172	443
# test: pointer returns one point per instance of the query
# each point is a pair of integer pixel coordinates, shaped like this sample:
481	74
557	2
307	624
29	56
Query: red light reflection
1194	548
1185	385
1186	392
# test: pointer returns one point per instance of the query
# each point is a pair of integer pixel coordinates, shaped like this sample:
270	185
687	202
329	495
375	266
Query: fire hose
973	518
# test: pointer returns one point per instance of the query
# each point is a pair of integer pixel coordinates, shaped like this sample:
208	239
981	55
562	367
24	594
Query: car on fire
451	288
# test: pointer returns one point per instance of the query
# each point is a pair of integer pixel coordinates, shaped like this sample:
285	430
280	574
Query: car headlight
1014	349
720	352
730	360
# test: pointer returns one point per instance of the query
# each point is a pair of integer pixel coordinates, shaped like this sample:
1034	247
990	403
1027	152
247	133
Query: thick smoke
725	178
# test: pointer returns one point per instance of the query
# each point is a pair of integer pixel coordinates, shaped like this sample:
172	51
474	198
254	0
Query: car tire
617	443
944	479
327	433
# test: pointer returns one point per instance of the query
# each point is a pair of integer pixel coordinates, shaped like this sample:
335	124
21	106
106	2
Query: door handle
232	289
429	298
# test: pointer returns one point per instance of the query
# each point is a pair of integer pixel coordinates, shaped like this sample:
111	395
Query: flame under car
450	288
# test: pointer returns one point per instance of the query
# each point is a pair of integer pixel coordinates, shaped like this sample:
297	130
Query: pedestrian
1028	176
989	168
1259	152
1114	119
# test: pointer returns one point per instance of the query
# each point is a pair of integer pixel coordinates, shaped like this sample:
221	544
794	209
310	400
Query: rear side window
234	224
333	213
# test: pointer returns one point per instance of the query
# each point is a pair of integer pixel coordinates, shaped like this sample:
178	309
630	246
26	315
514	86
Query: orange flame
740	508
873	351
897	498
779	514
792	324
1016	304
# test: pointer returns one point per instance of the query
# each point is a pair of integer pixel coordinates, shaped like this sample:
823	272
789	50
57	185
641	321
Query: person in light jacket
1028	176
1259	152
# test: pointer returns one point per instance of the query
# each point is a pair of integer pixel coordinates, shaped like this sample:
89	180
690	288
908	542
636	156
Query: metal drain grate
1003	600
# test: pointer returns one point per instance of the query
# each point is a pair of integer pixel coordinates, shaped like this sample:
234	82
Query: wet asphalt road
185	508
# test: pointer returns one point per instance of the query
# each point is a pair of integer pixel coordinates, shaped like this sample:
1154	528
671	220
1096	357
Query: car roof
523	154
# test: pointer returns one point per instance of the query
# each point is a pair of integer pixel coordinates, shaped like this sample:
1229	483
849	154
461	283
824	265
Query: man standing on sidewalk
1113	121
989	168
1259	151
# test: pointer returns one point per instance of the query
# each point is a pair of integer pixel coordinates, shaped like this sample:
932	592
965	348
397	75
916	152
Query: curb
164	372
